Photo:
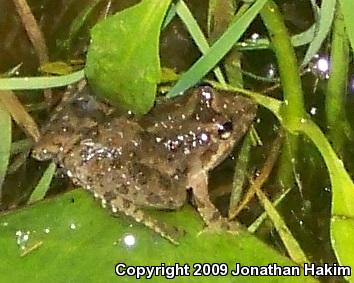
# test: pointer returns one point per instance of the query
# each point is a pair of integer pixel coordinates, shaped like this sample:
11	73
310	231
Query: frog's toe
222	226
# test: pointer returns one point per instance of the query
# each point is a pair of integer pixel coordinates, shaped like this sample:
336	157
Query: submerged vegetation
302	152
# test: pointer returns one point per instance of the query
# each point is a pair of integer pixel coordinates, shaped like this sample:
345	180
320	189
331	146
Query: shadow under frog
130	163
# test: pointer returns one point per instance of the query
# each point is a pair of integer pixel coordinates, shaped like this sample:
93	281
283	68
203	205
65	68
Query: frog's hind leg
120	204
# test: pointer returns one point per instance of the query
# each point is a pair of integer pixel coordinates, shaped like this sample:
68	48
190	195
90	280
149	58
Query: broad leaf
123	63
71	238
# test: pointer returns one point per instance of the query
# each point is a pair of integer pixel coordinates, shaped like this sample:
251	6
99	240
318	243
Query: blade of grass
292	246
18	161
208	61
12	72
79	22
261	178
13	105
20	146
240	175
43	184
260	219
221	14
192	26
28	83
347	10
36	37
324	26
5	143
33	30
171	13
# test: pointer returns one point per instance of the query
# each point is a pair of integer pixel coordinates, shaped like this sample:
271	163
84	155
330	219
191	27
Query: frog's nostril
224	130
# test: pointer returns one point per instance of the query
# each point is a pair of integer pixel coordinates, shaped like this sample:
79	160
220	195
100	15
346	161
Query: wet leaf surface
72	239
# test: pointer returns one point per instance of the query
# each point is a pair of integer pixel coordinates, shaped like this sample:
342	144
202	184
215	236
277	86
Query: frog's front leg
198	181
125	206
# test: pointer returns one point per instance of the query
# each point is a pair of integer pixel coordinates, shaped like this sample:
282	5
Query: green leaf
324	27
43	184
40	82
123	63
5	143
260	219
347	10
342	206
19	114
292	246
240	174
197	34
218	50
79	22
72	238
56	68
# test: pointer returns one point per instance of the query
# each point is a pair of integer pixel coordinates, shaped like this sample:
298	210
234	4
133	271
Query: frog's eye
224	130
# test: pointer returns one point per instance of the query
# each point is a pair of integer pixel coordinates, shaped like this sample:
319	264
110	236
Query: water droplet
254	37
313	110
22	238
322	65
129	240
271	71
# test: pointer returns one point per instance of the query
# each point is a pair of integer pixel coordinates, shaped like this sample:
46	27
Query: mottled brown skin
131	163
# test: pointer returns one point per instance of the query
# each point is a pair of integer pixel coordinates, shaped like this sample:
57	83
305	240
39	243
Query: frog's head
52	143
69	121
225	117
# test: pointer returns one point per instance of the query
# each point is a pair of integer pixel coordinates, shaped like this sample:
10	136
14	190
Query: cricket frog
134	162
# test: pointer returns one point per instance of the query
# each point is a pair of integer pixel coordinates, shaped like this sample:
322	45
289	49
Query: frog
131	162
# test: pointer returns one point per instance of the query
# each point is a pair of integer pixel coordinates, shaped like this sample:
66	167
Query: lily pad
70	238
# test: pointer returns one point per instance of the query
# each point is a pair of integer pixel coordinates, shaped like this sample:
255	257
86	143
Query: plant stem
337	85
287	63
293	106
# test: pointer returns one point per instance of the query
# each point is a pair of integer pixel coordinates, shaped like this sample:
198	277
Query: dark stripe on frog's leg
128	208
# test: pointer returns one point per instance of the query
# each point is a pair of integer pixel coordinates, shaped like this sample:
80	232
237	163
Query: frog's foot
222	226
119	204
